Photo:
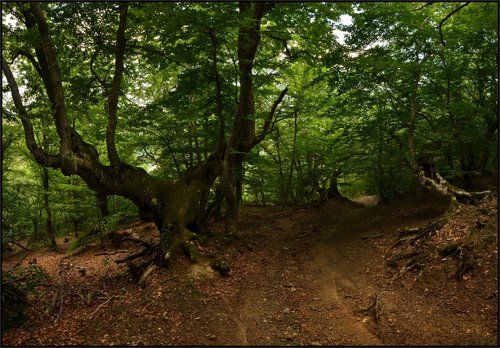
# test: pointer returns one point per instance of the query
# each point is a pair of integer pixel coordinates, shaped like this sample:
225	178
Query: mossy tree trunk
173	205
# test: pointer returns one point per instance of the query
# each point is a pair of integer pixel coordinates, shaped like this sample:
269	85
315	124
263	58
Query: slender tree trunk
292	162
74	218
261	184
75	227
219	196
196	143
205	136
238	183
48	211
99	224
102	203
280	166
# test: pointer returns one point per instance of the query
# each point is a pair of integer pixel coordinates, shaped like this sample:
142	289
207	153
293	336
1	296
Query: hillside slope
321	276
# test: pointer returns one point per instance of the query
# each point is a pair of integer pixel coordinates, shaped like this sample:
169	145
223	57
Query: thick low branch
33	61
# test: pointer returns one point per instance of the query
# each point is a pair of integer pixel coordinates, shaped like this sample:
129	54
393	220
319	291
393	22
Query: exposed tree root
417	262
151	268
138	241
415	240
158	255
430	178
190	249
411	235
466	263
141	253
393	261
464	256
111	253
20	245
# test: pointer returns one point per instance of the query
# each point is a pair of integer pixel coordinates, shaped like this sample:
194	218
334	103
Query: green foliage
351	97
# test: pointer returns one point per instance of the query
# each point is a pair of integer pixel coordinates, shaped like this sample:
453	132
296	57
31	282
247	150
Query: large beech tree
173	205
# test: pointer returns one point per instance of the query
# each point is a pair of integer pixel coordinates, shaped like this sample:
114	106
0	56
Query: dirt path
298	277
306	304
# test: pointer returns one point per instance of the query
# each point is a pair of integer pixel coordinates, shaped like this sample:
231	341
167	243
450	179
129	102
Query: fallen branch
60	307
303	235
53	303
372	236
99	307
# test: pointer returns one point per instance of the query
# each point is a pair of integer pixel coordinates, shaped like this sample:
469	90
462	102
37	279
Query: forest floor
310	276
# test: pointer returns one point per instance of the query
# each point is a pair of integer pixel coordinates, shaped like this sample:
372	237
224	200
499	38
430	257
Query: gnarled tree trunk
173	205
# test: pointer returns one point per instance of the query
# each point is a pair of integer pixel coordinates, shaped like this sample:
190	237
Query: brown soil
315	276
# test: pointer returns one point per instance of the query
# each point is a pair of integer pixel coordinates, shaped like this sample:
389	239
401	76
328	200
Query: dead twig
303	235
112	253
101	305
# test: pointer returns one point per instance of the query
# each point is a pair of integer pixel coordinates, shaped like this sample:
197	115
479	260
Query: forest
249	173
